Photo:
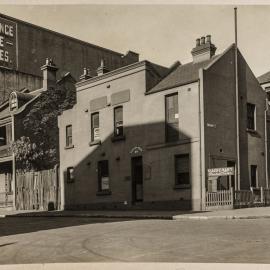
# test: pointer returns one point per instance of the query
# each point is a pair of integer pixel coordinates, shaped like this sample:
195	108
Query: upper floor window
68	135
5	134
118	121
13	102
171	117
95	135
251	116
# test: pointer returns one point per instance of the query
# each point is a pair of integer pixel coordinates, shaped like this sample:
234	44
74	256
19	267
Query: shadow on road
20	225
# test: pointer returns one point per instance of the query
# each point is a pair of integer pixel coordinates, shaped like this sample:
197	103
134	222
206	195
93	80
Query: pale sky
159	33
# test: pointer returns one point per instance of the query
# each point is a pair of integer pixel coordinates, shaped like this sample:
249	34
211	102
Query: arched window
13	101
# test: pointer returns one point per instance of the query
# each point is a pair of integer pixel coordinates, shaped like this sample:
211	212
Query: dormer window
13	102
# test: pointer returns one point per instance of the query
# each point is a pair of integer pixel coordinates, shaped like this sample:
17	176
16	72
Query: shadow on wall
134	169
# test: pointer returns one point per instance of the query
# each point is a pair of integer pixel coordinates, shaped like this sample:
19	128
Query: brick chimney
204	49
49	74
86	74
102	69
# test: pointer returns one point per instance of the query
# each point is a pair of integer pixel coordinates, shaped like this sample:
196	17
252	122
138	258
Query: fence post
232	197
262	197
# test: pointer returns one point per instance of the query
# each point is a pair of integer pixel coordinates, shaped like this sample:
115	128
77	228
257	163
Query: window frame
183	185
69	145
115	123
253	128
92	127
167	123
70	176
100	175
256	175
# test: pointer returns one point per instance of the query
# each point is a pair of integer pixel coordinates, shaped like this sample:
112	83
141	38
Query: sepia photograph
134	135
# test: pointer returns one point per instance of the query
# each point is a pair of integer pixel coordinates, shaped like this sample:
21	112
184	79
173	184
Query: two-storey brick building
145	135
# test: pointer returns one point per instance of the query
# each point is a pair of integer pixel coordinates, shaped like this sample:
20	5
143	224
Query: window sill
183	186
118	138
69	147
96	142
103	192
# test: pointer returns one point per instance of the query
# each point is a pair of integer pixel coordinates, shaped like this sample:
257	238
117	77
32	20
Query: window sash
95	131
250	116
118	121
103	175
69	135
182	168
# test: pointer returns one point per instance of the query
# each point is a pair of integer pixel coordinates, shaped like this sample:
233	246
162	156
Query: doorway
137	179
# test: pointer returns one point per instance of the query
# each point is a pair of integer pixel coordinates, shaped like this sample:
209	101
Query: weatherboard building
147	136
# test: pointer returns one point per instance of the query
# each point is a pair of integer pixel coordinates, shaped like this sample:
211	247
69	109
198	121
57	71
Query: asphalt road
48	240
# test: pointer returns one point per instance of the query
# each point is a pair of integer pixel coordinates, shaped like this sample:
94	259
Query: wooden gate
222	199
38	190
6	193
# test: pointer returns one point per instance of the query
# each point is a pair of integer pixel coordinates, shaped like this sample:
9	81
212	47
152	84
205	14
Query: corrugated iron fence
38	190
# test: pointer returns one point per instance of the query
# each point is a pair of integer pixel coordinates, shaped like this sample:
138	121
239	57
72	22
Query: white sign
105	183
96	134
221	171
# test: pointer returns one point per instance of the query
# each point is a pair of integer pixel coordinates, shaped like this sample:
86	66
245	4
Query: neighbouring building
23	50
24	47
144	136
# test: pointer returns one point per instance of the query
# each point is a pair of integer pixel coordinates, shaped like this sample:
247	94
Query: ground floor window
70	175
253	175
103	175
182	175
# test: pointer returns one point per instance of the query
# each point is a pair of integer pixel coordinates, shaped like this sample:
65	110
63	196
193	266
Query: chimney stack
49	74
102	69
85	75
204	49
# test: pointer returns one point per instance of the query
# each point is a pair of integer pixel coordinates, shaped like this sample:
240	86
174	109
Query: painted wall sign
221	171
8	44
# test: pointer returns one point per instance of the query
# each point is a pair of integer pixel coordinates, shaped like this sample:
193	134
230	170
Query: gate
6	193
222	199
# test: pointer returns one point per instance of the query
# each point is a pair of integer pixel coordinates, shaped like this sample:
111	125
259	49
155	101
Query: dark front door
137	179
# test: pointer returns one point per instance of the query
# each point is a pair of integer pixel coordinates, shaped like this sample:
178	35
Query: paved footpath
244	213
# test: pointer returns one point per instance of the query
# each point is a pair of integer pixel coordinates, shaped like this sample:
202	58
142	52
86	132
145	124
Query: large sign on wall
8	44
220	171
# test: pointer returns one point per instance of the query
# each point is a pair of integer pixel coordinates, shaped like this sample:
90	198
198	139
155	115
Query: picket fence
38	190
228	199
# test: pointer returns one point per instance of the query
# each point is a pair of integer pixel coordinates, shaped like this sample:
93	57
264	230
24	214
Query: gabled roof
183	74
264	78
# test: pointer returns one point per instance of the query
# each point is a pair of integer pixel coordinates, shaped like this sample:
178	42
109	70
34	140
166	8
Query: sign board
105	183
8	44
221	171
96	134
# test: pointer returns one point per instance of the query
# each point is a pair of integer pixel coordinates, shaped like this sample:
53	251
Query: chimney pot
208	39
102	69
198	41
85	75
202	40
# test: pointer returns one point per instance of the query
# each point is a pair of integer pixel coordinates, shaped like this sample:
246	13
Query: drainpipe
266	142
13	163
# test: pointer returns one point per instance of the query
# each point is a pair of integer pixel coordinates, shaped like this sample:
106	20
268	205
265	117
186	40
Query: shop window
182	175
103	176
69	136
70	175
95	131
251	116
253	175
118	121
171	117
